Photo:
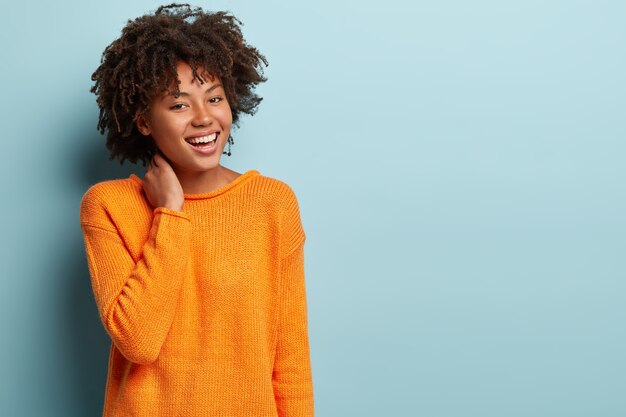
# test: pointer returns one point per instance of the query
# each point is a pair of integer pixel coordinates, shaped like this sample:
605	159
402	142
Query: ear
142	125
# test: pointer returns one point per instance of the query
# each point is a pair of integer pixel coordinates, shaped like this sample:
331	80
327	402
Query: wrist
175	206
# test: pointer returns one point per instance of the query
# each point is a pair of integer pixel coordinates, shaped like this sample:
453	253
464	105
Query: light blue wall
460	170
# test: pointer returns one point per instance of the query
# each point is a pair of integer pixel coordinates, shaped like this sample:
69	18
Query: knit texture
206	308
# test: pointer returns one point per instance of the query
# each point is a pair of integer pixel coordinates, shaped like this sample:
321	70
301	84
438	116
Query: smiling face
192	128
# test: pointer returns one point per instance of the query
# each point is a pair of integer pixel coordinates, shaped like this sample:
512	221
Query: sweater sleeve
137	300
292	379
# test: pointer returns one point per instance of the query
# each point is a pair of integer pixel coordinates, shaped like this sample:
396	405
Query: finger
162	162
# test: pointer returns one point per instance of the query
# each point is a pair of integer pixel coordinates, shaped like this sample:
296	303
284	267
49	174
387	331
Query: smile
204	145
203	140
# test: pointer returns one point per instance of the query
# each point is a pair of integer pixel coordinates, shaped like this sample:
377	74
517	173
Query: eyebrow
183	94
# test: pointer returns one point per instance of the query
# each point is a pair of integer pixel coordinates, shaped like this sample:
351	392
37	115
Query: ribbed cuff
165	210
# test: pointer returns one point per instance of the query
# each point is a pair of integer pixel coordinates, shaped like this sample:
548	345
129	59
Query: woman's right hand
161	185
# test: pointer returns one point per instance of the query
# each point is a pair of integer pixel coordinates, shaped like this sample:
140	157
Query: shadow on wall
95	165
88	344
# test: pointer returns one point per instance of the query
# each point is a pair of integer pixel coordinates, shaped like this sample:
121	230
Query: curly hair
141	63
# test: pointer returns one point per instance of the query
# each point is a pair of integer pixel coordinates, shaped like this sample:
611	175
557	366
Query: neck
202	181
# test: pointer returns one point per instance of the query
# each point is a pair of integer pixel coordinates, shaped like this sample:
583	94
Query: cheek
226	114
227	117
165	129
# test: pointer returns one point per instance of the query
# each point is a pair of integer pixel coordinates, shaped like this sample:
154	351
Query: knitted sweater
206	308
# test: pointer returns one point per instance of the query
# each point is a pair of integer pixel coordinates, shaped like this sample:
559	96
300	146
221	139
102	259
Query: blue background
460	171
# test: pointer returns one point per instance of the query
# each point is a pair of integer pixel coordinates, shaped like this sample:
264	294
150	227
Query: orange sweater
206	308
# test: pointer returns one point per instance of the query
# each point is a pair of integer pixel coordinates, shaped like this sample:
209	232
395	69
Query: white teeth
203	139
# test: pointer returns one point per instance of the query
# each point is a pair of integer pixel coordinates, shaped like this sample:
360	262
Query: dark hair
142	63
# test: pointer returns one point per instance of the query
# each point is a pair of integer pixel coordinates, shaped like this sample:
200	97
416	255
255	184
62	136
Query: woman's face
191	129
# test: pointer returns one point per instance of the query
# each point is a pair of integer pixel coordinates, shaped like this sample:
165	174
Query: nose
202	116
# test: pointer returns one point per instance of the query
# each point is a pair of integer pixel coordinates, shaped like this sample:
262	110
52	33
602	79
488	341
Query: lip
204	149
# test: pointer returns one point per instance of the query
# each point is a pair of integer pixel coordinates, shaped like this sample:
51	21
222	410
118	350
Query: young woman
197	270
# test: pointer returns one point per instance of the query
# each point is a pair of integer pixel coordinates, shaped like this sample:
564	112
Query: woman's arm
137	300
292	379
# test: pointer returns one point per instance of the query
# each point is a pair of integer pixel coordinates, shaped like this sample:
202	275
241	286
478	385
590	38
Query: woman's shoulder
282	196
111	195
113	189
285	203
275	187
